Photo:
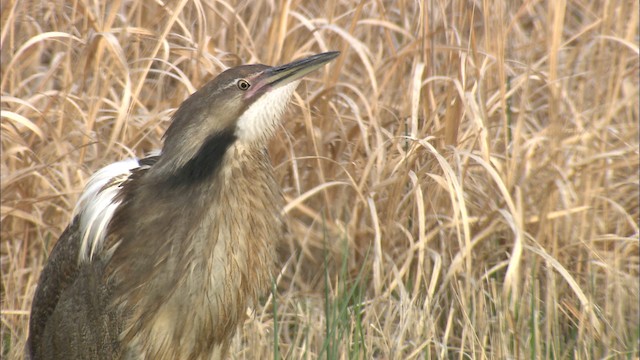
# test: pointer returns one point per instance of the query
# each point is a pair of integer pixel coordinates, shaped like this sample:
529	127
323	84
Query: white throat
260	120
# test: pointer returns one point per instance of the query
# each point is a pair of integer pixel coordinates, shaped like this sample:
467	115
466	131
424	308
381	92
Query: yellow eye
243	85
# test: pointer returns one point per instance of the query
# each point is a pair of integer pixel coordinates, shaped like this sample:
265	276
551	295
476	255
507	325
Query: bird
164	254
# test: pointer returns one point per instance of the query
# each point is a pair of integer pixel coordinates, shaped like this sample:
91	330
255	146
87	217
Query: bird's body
164	254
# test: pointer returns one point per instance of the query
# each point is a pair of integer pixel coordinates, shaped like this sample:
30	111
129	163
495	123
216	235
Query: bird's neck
213	240
198	205
186	165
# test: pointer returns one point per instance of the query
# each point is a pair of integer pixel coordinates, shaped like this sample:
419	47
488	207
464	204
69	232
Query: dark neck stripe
206	161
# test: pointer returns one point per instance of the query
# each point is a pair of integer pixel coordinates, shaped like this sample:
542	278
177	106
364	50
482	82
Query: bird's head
243	104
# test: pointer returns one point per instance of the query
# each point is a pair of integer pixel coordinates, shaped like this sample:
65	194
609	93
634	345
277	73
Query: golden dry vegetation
462	183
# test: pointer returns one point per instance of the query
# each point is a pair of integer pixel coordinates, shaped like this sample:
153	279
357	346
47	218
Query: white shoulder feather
98	203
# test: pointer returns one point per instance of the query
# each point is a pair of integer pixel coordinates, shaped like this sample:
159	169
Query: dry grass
461	183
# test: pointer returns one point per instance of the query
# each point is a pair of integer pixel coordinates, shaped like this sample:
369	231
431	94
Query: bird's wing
99	201
79	242
59	272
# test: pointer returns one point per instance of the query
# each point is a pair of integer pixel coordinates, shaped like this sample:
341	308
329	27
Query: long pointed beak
278	76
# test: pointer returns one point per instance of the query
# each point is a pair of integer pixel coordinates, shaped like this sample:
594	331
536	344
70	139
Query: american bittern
165	253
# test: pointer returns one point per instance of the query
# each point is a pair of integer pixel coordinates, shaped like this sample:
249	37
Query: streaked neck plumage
193	227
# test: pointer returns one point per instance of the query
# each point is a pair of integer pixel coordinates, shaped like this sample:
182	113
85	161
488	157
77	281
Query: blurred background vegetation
461	183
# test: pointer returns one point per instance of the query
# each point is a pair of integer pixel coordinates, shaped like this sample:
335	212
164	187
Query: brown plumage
164	254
